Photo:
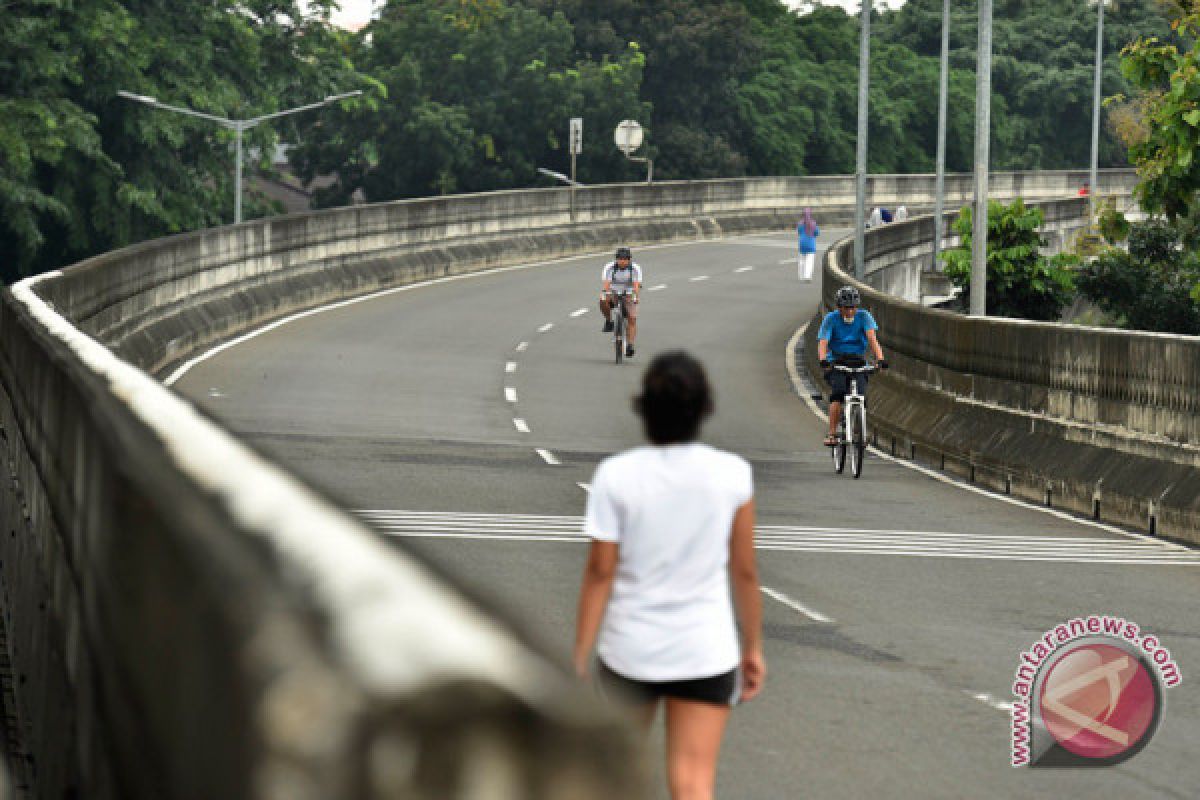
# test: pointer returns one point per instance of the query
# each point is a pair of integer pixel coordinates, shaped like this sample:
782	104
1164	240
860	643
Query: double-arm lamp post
239	126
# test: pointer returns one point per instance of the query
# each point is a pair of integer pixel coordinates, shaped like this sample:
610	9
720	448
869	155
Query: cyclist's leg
631	309
837	385
605	308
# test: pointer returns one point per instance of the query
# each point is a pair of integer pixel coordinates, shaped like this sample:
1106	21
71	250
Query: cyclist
621	275
844	337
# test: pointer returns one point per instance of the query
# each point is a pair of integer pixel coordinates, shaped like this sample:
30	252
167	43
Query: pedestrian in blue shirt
807	231
844	337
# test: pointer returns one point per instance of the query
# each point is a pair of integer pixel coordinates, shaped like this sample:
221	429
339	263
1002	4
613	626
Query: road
466	416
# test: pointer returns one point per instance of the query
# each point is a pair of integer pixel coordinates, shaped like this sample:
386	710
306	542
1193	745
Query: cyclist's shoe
608	326
629	351
831	440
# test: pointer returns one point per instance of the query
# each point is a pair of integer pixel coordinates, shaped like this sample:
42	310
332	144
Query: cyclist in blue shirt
844	337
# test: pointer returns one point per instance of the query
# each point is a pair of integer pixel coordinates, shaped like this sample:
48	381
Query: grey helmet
623	252
848	296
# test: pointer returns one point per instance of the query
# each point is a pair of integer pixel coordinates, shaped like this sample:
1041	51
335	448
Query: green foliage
1168	75
1155	286
471	97
1021	282
83	171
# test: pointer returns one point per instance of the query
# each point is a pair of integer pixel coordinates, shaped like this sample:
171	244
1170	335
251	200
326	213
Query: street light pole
983	128
943	90
860	161
1096	89
238	126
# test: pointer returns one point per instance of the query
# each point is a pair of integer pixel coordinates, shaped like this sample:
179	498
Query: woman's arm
747	596
593	600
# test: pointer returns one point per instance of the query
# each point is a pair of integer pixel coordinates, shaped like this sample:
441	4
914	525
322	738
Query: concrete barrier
185	620
1098	421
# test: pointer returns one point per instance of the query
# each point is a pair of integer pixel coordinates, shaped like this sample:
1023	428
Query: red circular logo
1098	701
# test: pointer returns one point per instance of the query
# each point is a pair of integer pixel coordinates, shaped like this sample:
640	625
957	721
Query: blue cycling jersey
847	338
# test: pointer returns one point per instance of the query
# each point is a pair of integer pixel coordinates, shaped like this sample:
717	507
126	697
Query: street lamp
558	176
1096	88
239	126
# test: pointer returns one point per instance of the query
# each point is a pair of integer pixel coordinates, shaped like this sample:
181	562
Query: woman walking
672	528
808	232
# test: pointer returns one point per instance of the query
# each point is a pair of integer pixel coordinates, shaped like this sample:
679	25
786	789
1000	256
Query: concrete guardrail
1098	421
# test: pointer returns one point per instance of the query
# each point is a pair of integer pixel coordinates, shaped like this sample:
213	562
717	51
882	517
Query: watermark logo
1090	692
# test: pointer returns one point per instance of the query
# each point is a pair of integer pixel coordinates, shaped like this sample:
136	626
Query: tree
471	97
1169	78
1021	282
82	171
1149	287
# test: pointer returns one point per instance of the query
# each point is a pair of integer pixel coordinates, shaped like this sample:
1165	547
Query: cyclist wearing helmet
625	276
844	337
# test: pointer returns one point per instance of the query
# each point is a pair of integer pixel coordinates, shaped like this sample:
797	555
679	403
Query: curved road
464	418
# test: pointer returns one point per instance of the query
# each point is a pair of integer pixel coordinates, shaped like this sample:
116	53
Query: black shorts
721	690
839	382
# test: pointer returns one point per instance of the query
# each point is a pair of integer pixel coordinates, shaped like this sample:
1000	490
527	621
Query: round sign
628	135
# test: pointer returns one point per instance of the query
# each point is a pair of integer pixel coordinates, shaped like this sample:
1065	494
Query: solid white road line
510	366
546	327
522	346
579	312
743	269
660	287
548	457
815	616
799	387
510	394
521	425
696	278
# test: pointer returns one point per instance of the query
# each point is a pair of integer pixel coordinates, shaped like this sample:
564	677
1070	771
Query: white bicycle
852	433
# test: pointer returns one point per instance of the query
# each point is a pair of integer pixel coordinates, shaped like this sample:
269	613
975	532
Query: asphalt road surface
464	418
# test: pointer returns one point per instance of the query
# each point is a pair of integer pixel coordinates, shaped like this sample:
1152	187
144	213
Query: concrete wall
1099	421
185	620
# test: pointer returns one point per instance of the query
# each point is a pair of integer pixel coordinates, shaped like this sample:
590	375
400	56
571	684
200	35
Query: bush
1021	282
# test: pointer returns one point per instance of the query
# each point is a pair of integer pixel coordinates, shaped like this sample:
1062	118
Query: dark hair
675	398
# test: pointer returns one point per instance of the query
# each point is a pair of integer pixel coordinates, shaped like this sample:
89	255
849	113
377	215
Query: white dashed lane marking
522	346
743	269
579	312
546	327
511	366
697	278
521	425
795	605
510	394
658	288
548	457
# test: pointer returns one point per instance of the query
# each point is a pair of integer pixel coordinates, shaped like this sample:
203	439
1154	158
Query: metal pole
237	177
943	90
983	128
1096	89
860	162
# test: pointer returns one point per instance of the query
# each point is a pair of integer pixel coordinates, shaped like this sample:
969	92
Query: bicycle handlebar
857	370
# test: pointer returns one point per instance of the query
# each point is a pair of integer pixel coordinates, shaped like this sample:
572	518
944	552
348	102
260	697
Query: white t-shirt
622	279
670	508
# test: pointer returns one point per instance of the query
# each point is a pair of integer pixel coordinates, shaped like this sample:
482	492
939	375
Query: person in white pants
807	232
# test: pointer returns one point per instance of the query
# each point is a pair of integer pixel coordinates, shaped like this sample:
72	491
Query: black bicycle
620	321
852	436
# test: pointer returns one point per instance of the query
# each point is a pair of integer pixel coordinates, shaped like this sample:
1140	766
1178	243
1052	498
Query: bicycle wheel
619	338
839	456
859	439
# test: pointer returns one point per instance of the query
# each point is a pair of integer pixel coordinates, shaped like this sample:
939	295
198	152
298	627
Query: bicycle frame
620	322
853	434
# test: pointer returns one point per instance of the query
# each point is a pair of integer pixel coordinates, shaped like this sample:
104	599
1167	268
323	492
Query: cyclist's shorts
721	690
839	384
631	308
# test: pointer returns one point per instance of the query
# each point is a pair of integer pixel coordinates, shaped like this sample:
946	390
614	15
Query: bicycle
620	322
852	438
